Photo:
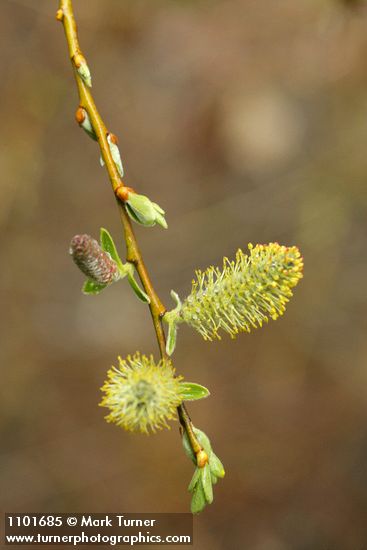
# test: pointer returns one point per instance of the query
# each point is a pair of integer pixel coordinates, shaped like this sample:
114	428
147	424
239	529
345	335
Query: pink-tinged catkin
94	262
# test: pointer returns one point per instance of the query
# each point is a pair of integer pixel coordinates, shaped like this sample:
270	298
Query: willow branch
65	14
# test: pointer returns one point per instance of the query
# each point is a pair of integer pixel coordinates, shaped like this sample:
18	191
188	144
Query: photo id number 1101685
34	521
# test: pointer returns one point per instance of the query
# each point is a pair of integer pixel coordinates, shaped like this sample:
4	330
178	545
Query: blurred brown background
247	121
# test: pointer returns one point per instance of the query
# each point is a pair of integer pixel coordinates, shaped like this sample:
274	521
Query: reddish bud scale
202	458
113	138
122	192
79	59
80	115
94	262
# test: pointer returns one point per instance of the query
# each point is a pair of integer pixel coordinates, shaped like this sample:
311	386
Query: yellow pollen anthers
141	395
245	293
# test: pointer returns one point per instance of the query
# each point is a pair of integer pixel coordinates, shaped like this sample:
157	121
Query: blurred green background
247	121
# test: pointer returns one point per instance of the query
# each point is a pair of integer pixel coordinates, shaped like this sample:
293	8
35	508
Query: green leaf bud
206	474
83	69
84	122
143	211
115	153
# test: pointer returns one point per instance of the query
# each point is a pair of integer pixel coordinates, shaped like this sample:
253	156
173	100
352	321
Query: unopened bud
84	122
115	153
145	212
82	69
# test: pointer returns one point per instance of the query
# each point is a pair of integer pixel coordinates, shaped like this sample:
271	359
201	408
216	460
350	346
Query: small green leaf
85	123
109	246
203	440
90	287
177	299
207	483
198	501
143	211
171	338
158	208
172	318
90	134
201	484
115	153
136	288
194	480
84	73
132	214
161	220
216	467
214	478
191	391
187	448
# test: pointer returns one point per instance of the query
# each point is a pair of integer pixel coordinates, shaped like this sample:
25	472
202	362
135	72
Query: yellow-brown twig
65	14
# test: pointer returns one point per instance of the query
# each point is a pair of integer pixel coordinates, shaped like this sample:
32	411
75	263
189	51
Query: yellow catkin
246	293
140	394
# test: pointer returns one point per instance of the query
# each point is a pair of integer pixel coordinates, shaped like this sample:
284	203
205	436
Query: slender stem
133	253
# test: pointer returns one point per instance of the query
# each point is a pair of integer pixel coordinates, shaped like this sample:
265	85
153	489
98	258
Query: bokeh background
247	121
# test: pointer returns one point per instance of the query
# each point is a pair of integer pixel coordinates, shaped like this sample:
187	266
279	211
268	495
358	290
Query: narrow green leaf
177	299
191	391
194	480
214	478
109	246
132	214
207	483
158	208
90	133
171	338
136	288
216	467
115	153
203	440
142	209
187	448
90	287
198	501
84	72
160	219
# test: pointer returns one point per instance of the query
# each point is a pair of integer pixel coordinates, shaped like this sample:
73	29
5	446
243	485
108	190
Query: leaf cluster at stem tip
206	475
